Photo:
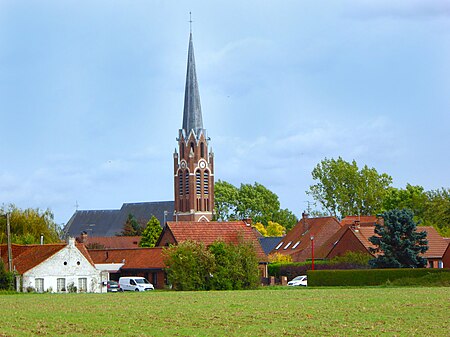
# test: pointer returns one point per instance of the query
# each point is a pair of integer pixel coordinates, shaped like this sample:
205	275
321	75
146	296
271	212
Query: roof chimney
305	215
83	236
248	221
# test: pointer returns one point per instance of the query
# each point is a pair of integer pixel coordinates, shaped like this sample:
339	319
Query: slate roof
269	243
108	242
209	232
110	222
192	114
133	258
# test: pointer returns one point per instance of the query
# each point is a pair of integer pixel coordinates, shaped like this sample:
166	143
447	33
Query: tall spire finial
190	22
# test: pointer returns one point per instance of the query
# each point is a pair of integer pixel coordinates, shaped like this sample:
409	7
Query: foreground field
278	312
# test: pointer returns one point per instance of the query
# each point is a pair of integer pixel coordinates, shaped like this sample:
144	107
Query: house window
82	284
430	264
440	264
39	285
296	244
288	244
279	245
61	284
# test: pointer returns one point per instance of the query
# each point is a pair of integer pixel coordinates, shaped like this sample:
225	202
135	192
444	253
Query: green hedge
370	277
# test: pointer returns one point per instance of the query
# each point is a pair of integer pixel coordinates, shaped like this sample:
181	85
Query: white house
56	268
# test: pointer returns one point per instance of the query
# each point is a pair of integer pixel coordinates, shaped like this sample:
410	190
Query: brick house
298	241
145	262
54	267
209	232
355	236
446	255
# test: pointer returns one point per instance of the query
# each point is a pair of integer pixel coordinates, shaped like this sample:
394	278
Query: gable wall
54	268
166	239
348	242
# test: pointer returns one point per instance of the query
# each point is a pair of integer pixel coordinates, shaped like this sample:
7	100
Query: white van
135	283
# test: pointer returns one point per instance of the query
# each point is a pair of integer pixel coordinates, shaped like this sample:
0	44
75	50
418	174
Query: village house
354	237
56	267
145	262
209	232
306	234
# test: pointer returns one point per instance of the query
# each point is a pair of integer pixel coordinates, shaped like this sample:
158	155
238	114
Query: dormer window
279	245
288	244
296	244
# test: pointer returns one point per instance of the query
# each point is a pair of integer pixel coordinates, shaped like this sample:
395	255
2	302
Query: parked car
135	283
299	281
113	286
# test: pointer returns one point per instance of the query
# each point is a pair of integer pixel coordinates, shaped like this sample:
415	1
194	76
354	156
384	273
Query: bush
6	278
221	266
369	277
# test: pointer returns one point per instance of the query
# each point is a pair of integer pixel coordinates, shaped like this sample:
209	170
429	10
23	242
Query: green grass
380	311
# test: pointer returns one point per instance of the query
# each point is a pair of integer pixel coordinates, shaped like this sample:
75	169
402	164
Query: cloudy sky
91	95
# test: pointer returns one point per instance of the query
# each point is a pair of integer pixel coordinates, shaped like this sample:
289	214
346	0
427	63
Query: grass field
278	312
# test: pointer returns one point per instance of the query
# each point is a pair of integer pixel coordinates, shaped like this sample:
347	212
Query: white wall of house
66	267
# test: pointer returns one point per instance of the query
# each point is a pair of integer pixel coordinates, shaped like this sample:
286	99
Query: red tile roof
350	219
134	258
112	241
209	232
436	243
26	257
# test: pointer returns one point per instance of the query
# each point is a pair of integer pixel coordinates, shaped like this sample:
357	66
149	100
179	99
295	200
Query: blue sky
91	95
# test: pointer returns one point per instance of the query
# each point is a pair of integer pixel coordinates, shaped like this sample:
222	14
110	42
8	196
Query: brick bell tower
193	164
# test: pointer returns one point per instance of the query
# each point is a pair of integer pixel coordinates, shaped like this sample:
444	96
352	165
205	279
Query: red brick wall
167	239
348	242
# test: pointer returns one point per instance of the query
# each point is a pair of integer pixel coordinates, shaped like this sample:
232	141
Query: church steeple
192	114
193	163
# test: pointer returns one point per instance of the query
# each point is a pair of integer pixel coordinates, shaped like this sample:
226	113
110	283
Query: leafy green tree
225	201
6	278
221	266
261	229
344	189
236	266
151	233
412	197
190	266
437	210
28	225
398	242
250	201
131	227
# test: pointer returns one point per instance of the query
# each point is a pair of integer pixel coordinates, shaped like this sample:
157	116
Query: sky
92	92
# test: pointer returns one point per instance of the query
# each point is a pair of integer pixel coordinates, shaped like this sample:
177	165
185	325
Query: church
193	177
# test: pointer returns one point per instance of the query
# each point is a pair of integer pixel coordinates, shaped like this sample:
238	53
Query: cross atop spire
192	114
190	22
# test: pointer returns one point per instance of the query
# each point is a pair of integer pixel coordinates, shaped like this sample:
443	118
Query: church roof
110	222
192	114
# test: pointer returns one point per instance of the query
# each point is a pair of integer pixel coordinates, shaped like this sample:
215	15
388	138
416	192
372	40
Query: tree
398	242
28	225
343	189
189	266
6	278
151	233
261	229
437	210
236	266
431	208
131	227
250	201
275	229
221	266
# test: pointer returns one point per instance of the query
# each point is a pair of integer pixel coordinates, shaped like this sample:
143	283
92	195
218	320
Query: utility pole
8	234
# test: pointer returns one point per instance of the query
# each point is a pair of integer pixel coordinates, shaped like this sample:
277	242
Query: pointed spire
192	114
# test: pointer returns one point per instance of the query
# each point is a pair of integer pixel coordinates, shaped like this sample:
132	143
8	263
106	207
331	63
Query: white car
299	281
135	283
